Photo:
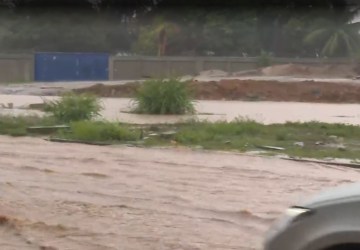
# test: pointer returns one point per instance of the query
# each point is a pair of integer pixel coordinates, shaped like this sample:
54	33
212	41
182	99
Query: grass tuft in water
164	96
100	131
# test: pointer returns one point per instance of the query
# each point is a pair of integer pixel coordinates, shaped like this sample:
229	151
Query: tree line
298	28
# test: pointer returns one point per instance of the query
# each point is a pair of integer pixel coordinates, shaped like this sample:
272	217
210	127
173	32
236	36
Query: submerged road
264	112
81	197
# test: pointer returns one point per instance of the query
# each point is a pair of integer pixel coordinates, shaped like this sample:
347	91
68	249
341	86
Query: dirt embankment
305	91
251	90
302	70
347	70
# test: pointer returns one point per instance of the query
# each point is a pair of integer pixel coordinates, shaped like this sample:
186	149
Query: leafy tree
148	40
274	16
231	37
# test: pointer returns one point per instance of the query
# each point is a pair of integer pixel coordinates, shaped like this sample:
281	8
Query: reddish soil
102	90
254	90
306	91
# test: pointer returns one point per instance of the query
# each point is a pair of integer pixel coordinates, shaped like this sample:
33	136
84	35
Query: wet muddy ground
66	196
264	112
250	88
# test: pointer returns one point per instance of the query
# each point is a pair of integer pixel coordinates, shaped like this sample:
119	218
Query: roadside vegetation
17	126
264	60
312	140
99	131
71	107
164	96
77	119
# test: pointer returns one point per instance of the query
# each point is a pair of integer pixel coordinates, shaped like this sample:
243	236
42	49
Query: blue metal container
50	67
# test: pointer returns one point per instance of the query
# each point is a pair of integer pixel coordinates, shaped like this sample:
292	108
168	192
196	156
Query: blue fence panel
50	67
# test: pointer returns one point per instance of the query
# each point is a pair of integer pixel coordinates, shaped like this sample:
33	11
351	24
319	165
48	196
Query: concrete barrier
129	68
16	68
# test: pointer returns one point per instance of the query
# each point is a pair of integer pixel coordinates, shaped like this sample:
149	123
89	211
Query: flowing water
69	196
264	112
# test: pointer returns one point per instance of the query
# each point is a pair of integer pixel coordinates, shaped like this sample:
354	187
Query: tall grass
72	107
215	135
17	125
100	131
164	97
320	140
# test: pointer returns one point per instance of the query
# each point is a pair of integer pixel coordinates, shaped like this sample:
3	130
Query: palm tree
165	31
338	37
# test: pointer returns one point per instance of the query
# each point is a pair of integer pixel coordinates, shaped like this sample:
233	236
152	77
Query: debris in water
299	144
48	248
345	164
7	106
4	220
37	106
344	116
78	141
168	134
47	129
271	148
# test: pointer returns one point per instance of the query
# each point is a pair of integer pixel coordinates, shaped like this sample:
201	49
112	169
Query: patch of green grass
320	140
249	135
17	125
100	131
163	96
73	107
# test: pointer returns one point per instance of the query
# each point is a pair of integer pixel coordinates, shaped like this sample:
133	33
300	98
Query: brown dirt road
105	198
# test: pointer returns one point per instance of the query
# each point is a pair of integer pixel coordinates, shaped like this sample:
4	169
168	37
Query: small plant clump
164	96
265	59
17	125
100	131
72	107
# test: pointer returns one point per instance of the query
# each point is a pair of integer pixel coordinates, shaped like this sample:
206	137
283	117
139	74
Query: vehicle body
330	220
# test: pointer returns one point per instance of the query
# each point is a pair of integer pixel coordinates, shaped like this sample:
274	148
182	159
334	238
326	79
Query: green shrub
164	97
17	125
100	131
72	107
265	59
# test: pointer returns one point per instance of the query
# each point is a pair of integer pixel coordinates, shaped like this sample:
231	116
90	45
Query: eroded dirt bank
251	90
97	198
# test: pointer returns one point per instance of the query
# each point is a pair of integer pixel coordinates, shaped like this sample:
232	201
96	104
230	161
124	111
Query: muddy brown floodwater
67	196
264	112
